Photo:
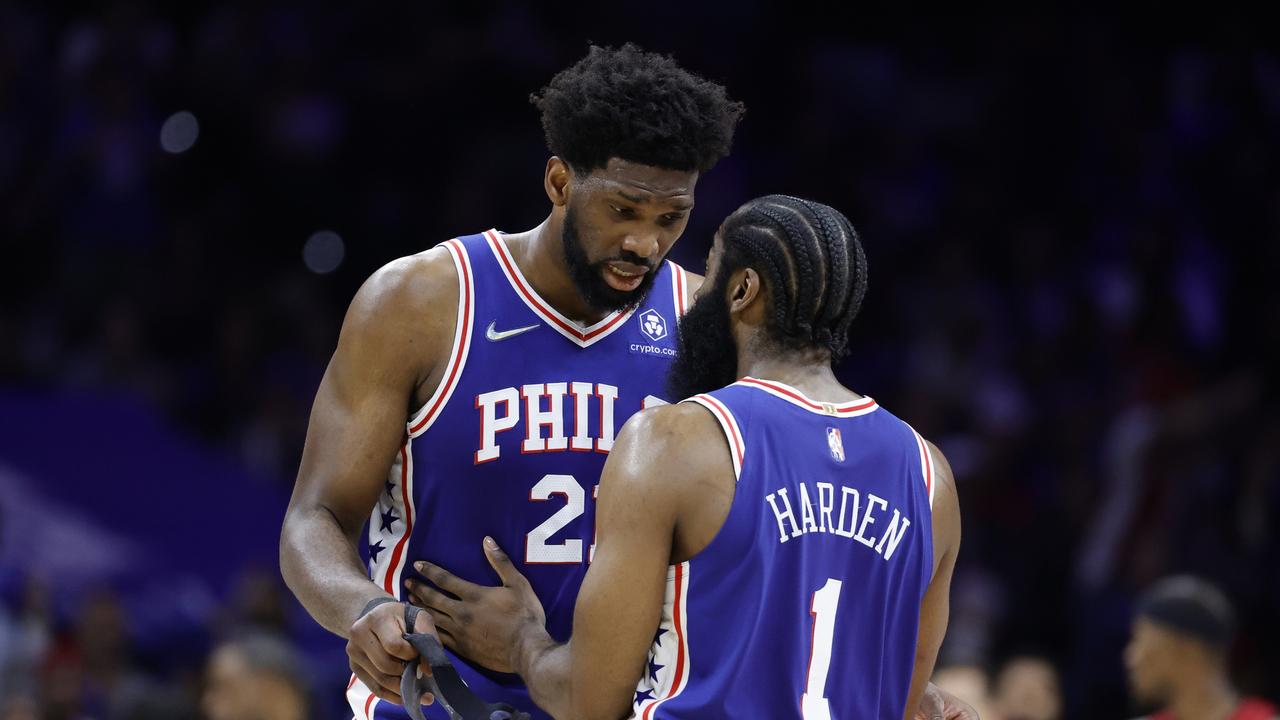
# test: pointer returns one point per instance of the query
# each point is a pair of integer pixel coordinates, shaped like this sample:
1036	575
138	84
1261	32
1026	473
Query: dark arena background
1073	230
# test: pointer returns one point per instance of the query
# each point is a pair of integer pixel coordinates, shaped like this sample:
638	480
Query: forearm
544	665
320	565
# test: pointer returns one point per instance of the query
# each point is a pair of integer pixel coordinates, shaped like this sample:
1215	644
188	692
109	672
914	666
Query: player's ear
556	180
744	288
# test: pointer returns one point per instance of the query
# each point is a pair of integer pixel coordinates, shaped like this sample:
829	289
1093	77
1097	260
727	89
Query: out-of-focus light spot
179	132
323	252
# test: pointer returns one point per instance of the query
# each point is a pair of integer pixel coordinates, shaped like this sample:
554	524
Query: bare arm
655	466
384	356
936	608
660	479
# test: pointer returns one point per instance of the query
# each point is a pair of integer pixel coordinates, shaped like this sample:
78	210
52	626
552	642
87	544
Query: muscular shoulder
406	288
671	449
404	312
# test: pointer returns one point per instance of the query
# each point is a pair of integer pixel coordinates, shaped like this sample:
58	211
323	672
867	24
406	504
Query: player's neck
1210	698
539	253
813	377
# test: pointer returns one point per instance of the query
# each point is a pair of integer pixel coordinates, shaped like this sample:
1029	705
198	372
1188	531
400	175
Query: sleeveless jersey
806	603
512	444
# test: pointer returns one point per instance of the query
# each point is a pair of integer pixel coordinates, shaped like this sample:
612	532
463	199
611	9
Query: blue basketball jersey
512	444
806	604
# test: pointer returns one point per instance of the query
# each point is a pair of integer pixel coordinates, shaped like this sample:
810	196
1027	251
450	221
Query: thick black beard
587	276
707	358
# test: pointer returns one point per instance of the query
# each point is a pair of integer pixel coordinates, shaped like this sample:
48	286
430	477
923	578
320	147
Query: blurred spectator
969	683
1177	658
24	640
1028	688
255	677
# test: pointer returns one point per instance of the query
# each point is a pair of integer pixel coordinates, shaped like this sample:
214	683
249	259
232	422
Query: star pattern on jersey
657	637
654	668
643	695
374	549
391	490
388	519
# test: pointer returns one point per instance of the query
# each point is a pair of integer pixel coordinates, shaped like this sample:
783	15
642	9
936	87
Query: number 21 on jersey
538	550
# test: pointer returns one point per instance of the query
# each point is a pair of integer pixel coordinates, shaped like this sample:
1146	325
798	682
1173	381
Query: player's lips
624	276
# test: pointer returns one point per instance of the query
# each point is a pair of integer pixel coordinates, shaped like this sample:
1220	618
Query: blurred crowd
1073	226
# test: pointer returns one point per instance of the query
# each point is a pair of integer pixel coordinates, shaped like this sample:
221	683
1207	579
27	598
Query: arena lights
179	132
323	252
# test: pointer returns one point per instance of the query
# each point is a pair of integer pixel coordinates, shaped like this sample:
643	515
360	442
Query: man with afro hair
477	386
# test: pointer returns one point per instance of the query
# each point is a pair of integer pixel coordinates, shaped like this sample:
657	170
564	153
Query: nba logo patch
835	444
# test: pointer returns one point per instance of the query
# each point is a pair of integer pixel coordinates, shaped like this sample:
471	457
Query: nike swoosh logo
494	336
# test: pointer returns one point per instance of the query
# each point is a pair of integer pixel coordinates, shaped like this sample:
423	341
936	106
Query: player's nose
643	244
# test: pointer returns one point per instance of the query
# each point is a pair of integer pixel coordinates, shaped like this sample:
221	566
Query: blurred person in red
254	678
1177	655
1027	688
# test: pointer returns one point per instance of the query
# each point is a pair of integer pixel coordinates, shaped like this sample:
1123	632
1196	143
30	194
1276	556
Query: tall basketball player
477	388
779	547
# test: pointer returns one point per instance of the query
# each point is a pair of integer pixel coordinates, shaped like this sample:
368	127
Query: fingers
381	676
501	564
446	580
429	598
444	627
392	643
367	650
447	639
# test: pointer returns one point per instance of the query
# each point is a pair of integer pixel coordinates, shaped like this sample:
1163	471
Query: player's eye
622	211
672	218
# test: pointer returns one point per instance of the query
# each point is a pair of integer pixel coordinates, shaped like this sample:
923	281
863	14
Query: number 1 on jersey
813	704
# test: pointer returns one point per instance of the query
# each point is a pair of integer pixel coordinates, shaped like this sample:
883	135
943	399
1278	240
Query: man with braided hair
775	546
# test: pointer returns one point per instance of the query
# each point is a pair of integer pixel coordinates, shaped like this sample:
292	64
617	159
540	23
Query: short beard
707	357
588	277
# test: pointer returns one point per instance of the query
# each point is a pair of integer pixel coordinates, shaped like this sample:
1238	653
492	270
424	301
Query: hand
937	704
485	624
377	650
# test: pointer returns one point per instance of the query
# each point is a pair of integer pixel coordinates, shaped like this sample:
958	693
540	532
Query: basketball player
477	388
780	547
1177	656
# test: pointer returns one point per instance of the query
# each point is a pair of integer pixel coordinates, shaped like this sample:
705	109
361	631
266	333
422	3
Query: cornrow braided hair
812	262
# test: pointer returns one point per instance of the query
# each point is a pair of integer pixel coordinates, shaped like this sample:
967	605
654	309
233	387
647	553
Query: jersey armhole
729	425
679	289
926	465
431	409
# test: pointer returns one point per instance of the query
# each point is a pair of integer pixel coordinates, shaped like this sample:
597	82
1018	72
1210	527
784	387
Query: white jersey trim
579	335
361	699
729	424
431	409
799	399
671	656
393	543
679	289
926	465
